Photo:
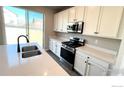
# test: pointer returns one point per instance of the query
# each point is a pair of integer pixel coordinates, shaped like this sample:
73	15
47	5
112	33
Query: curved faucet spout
18	46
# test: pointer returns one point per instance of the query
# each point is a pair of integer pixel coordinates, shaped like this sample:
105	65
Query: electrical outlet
96	41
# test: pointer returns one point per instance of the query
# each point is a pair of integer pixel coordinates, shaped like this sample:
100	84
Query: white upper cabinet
76	14
102	21
79	13
60	22
56	22
65	20
72	12
98	21
110	21
91	19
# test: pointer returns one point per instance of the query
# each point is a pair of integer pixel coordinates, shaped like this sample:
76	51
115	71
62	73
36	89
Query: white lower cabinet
90	66
96	70
55	46
80	64
50	45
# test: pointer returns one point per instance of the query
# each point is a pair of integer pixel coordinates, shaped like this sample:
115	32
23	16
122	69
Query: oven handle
67	49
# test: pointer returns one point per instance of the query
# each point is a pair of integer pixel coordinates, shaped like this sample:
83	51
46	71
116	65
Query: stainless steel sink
29	48
30	53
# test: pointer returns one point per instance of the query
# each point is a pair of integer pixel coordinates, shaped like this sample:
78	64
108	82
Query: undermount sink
30	53
29	48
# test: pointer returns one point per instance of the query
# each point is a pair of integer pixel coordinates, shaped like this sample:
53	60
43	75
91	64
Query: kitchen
88	39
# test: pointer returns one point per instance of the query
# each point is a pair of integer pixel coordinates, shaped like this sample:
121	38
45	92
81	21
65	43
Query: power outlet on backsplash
96	41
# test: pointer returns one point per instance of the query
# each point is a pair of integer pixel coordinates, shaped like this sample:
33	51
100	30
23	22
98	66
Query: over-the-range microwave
75	27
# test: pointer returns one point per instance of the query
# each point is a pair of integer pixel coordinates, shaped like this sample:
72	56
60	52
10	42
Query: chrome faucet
18	46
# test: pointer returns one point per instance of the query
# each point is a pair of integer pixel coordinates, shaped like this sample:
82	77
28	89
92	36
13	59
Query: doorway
23	22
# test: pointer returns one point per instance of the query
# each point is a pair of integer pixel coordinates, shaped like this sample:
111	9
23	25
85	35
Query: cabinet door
110	20
72	14
50	45
80	64
96	70
60	22
97	67
56	22
58	49
91	19
79	13
65	20
54	46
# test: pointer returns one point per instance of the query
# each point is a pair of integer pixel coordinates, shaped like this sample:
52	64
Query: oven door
67	55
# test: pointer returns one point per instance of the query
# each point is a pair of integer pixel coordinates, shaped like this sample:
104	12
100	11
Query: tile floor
64	65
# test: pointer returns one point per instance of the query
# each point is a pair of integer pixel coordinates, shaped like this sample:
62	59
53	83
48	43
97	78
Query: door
72	12
91	20
79	13
35	27
110	20
80	64
65	20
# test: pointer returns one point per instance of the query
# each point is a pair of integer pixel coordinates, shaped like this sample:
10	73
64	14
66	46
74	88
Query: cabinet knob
88	57
96	33
75	19
89	63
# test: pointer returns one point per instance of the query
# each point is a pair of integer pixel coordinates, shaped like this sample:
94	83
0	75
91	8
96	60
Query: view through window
23	22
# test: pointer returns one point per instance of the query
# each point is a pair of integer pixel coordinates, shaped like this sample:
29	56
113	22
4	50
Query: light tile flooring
64	65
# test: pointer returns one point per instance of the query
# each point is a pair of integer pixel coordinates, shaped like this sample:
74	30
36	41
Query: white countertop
12	63
107	57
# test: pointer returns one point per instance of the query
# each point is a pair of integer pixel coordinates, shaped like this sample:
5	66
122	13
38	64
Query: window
23	22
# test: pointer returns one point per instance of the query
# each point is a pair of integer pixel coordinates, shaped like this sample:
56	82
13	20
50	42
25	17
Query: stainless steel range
68	50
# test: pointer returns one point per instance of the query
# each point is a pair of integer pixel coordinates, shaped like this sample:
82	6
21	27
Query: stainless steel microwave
76	27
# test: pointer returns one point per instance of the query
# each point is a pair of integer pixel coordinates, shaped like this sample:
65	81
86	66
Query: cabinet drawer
81	54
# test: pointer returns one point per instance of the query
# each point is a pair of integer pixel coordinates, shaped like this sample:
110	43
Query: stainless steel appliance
68	50
75	27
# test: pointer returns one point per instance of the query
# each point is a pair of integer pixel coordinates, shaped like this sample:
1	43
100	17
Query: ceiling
58	8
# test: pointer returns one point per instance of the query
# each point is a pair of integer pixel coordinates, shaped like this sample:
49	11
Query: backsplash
111	44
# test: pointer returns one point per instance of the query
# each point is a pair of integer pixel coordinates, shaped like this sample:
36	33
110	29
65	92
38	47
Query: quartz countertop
107	57
12	63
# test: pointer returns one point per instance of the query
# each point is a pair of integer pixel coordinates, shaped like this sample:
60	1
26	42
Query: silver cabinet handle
88	69
85	74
